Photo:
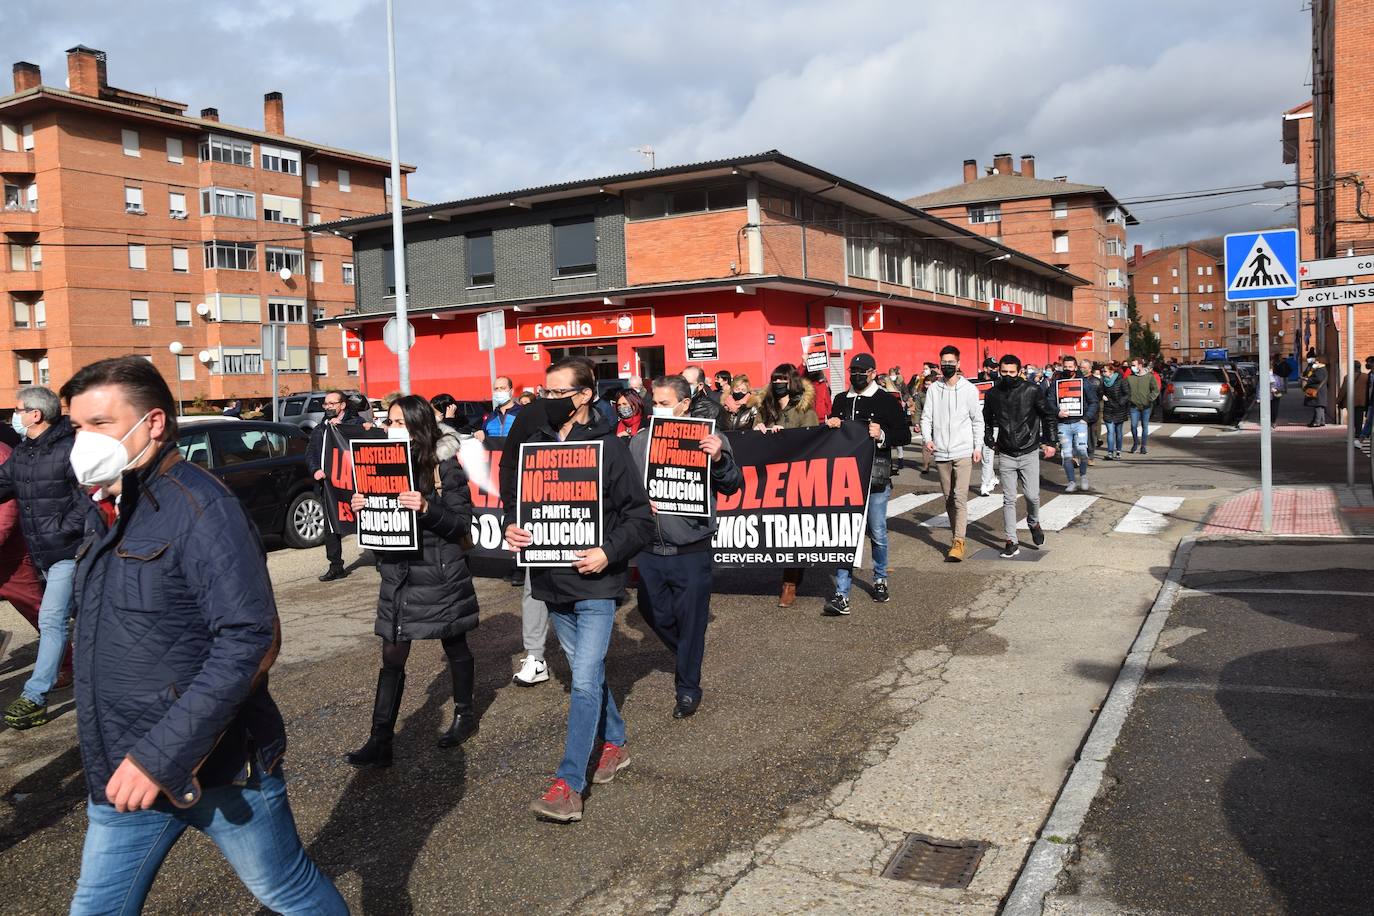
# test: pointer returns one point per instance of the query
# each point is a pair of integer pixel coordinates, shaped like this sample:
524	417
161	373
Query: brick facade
1181	293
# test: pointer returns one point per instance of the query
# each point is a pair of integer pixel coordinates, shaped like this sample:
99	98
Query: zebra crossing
1148	514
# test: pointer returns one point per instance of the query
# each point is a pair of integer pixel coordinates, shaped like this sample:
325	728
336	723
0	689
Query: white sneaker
1072	487
984	492
1083	485
532	671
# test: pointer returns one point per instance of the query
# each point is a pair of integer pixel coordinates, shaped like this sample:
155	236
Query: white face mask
666	413
99	460
397	432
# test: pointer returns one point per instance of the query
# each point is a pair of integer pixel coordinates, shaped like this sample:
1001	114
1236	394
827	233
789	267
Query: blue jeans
1114	436
1073	443
877	533
584	631
52	630
1140	426
252	826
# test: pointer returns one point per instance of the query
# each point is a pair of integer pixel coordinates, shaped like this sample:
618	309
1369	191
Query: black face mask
780	389
1006	381
738	395
1068	373
330	413
559	410
858	380
948	371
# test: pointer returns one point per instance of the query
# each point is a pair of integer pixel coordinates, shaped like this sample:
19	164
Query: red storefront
749	326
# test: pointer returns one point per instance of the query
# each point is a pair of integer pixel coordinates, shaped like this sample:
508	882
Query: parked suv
1200	391
305	410
266	467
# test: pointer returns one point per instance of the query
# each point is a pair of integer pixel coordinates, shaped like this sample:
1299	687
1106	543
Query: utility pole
398	243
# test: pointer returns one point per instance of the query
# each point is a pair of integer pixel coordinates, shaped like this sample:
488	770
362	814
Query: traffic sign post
1265	418
491	336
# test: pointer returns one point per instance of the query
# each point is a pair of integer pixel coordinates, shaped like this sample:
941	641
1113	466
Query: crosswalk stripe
1185	432
1147	516
977	508
1056	514
908	501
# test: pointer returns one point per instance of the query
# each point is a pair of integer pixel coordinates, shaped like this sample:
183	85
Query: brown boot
789	594
956	551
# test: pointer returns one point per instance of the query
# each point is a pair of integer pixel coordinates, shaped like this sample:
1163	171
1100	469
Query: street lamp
175	348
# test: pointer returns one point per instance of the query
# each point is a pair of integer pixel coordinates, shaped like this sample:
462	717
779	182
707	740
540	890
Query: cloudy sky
1148	98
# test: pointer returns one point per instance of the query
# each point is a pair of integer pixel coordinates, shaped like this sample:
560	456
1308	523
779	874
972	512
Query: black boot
335	571
377	751
464	724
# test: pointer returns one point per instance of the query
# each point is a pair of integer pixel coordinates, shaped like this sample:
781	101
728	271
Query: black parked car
265	465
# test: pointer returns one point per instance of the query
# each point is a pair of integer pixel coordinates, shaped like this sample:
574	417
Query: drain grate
934	862
1193	486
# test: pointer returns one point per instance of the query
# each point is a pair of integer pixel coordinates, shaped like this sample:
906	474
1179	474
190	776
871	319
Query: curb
1046	860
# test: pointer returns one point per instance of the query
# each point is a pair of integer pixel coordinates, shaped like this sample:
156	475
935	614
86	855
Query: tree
1142	341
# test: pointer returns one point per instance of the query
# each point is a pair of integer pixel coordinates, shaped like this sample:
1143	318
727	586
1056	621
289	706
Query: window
574	247
238	308
1175	310
1175	290
985	214
1154	281
1210	326
133	200
653	204
277	209
1173	271
26	370
138	257
314	218
1060	209
130	139
227	202
389	271
1174	345
892	259
321	364
353	363
1200	287
316	270
345	181
237	361
778	200
140	312
347	274
1116	278
292	259
181	261
176	204
21	197
1200	325
318	314
183	311
1156	317
186	368
27	134
481	260
1199	271
1175	325
1209	287
25	257
286	311
214	148
861	250
174	150
23	313
312	174
238	446
1154	298
231	256
1061	242
277	159
1209	270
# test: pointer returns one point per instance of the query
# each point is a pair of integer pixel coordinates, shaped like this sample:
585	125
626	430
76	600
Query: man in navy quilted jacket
176	630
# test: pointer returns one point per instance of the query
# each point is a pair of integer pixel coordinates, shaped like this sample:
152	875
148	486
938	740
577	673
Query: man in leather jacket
1017	419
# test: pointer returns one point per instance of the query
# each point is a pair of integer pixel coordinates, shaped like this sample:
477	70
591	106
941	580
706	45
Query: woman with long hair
789	402
427	593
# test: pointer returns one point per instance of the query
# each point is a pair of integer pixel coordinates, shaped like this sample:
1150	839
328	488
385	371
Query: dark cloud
1145	98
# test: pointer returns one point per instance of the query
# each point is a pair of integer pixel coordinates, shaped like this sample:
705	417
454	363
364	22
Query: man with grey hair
52	517
703	407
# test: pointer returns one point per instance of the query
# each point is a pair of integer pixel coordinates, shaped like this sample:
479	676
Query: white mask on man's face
99	460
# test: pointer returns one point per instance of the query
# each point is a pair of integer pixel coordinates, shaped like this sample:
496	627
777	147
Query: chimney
273	115
1027	166
85	70
970	165
209	114
1139	253
1002	163
27	76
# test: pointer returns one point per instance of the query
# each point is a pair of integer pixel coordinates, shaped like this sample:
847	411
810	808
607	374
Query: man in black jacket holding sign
1017	418
582	597
881	412
337	415
675	569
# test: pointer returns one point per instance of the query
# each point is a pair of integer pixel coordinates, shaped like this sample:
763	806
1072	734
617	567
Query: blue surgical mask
500	397
17	422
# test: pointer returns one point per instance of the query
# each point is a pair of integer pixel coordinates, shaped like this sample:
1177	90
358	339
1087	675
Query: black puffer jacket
1017	420
429	594
704	407
52	514
1116	399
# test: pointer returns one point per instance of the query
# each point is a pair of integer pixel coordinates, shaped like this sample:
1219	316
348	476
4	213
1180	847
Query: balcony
27	339
21	281
19	216
16	162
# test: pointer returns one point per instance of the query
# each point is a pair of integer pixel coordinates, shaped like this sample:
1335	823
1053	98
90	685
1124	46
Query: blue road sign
1215	353
1262	265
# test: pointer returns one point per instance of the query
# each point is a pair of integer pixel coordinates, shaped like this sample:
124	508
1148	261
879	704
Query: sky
1147	98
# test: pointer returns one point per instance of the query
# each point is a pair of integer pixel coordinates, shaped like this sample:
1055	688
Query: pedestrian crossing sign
1262	265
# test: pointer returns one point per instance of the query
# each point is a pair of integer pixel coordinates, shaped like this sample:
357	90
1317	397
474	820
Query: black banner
337	461
804	501
382	472
677	474
558	500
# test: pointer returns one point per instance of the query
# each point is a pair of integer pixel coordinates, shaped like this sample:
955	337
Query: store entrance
651	363
603	361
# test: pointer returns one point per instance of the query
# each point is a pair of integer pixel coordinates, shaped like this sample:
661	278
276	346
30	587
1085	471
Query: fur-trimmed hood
449	442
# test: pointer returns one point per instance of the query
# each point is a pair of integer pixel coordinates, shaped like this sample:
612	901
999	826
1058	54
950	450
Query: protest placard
336	460
558	500
983	389
677	474
488	537
381	473
815	355
1069	393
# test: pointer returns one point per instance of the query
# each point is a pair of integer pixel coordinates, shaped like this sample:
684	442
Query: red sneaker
560	803
614	758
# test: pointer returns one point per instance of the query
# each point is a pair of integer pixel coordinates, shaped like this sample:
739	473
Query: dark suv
266	467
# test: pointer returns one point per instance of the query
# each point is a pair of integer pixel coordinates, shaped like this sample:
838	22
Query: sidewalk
1243	778
1327	511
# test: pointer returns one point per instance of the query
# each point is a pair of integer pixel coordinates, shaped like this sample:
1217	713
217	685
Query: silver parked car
1200	391
306	409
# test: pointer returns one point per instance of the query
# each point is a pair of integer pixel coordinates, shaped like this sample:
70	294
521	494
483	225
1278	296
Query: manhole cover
1193	486
934	862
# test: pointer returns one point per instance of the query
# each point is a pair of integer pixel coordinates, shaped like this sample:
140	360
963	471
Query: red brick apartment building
1180	292
728	264
1078	227
128	225
1330	142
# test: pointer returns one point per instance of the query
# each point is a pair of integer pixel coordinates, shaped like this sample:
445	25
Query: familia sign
556	329
558	500
677	475
381	473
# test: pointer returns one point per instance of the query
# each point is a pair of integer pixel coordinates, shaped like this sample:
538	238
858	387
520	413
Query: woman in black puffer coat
1116	405
426	594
